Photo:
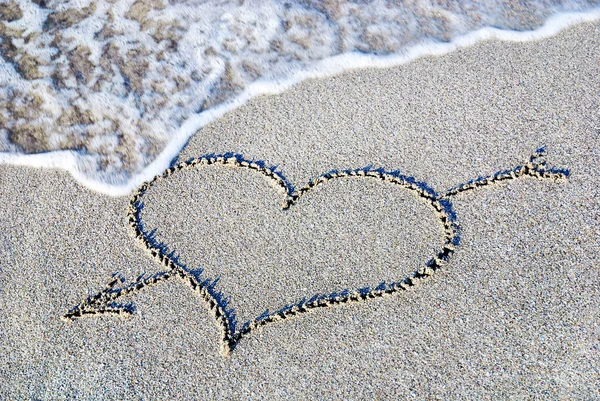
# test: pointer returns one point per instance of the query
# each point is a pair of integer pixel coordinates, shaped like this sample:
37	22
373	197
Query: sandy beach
513	314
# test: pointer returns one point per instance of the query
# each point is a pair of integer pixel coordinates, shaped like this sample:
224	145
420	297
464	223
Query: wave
111	91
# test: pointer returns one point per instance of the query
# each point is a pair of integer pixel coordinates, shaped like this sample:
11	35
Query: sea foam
112	90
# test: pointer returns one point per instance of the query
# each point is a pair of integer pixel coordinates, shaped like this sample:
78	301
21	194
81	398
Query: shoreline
512	314
327	68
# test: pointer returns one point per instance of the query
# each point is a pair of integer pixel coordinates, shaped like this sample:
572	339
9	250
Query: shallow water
112	90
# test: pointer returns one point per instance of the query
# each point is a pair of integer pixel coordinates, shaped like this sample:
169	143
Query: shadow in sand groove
105	301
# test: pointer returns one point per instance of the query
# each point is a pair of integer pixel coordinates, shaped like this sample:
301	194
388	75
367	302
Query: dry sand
514	314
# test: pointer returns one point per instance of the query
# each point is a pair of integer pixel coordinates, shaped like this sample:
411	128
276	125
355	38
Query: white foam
76	163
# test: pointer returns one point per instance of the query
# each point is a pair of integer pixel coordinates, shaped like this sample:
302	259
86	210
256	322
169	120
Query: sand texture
313	279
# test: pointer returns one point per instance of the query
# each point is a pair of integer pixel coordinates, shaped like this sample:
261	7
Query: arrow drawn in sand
107	300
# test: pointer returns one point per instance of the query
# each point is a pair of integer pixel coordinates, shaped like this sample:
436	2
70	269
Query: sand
512	314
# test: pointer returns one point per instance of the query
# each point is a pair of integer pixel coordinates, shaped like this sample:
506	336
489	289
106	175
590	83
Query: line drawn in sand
105	301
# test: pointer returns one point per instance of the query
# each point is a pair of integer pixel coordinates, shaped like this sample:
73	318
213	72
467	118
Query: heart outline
104	301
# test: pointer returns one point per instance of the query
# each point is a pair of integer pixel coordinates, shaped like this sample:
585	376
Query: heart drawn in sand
106	301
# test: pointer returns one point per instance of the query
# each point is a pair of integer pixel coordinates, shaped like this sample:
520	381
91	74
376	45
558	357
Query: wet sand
513	312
